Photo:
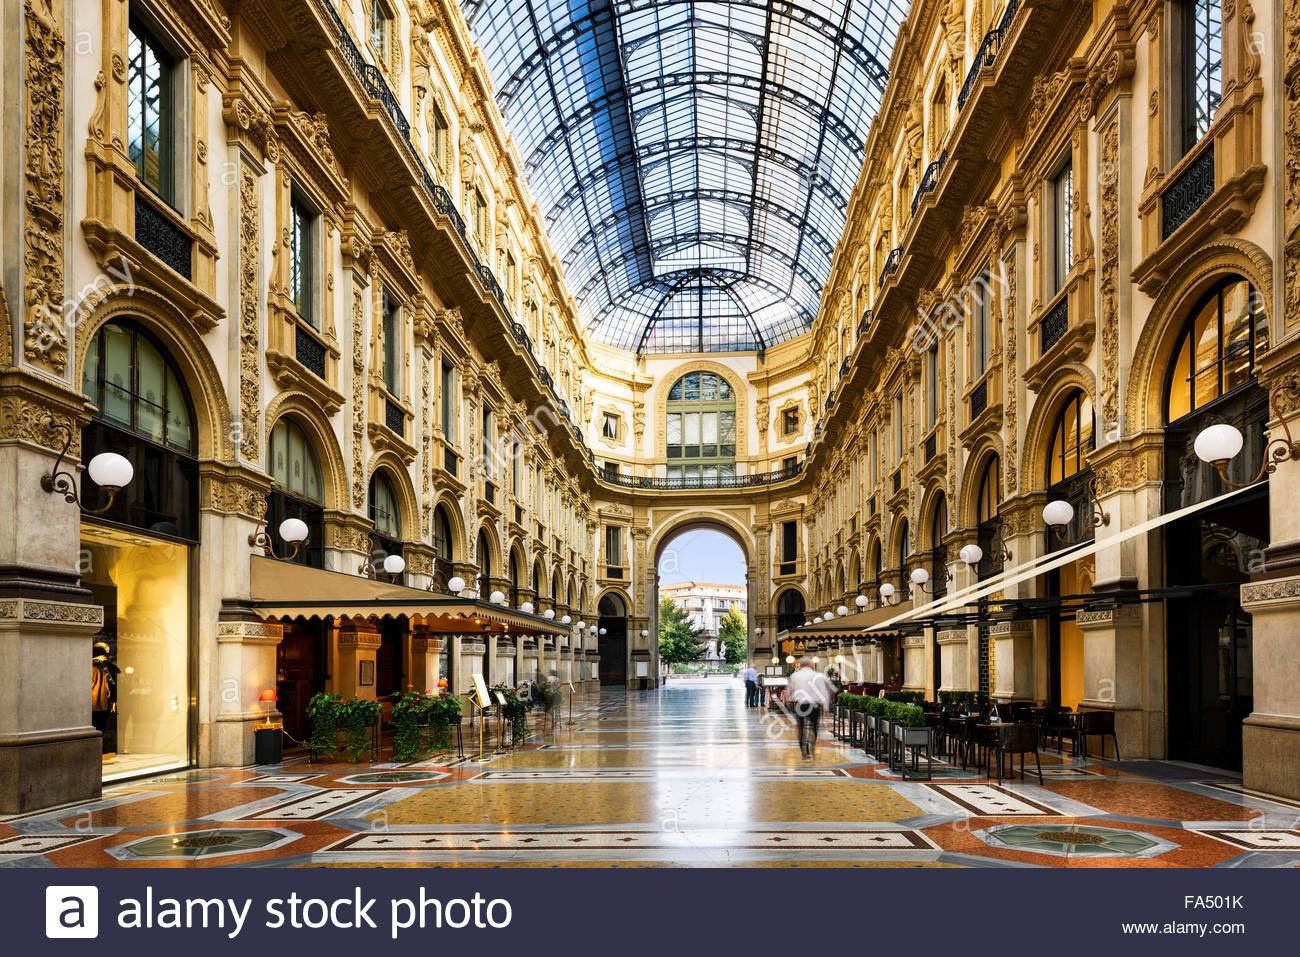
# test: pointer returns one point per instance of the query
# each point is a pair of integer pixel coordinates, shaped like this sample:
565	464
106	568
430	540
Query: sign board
501	698
642	669
571	691
481	692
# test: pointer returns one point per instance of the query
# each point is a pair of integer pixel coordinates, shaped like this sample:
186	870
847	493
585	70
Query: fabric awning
284	590
850	626
959	600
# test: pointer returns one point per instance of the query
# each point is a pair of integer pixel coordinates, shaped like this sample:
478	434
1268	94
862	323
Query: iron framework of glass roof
693	160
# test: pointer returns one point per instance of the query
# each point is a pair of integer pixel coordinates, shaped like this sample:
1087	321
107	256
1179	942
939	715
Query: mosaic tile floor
686	776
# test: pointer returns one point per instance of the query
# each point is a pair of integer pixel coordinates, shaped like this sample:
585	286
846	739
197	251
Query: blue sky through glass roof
693	160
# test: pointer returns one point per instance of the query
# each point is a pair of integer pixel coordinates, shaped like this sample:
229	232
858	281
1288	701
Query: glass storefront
140	667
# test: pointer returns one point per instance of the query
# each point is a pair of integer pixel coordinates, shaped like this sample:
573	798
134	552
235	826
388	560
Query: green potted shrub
324	711
515	711
410	714
443	714
358	716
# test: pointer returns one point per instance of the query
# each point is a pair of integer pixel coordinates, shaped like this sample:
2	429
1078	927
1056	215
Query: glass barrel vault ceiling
693	160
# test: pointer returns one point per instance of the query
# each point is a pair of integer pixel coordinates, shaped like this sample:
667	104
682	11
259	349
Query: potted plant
410	714
515	711
909	729
358	716
443	714
549	692
323	710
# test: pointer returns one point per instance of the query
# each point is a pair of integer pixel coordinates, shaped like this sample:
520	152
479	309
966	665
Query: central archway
740	592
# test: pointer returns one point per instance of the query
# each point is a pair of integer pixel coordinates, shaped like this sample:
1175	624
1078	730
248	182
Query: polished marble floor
685	776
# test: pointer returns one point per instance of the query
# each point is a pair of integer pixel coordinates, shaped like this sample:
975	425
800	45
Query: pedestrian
809	695
751	687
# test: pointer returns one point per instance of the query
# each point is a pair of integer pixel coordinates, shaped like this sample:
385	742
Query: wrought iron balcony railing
1185	195
979	399
891	263
930	180
1054	325
988	53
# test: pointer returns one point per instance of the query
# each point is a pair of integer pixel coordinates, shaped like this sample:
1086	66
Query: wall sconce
526	608
549	613
776	661
582	626
393	565
972	554
789	659
886	593
1059	514
497	598
565	620
861	602
108	470
644	632
920	578
842	611
292	530
1219	444
455	584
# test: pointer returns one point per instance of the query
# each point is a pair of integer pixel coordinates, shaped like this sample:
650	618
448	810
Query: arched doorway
1209	635
612	640
701	604
138	553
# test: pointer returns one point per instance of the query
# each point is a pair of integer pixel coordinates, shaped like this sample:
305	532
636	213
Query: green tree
731	632
679	640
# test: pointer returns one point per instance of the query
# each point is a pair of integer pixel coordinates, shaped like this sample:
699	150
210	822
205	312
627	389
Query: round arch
1153	352
615	601
305	413
664	384
705	519
176	335
897	528
454	525
1038	429
400	479
933	499
486	533
964	515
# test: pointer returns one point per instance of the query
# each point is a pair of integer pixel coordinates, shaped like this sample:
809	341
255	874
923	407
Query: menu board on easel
500	698
481	692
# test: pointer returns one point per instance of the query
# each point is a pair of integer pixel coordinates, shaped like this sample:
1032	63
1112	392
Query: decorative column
426	650
246	651
1014	674
954	655
359	643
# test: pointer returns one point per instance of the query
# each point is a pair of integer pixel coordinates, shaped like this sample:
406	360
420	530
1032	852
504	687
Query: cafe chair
1097	724
1010	740
1057	725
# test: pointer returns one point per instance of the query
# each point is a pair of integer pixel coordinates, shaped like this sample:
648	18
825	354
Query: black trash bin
268	745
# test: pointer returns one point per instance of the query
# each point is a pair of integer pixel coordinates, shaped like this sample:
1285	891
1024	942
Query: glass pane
692	388
1085	428
180	432
117	375
1237	329
1180	386
709	386
151	391
710	434
674	428
1205	330
692	428
90	372
278	455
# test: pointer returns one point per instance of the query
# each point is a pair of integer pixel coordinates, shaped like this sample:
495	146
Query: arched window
143	412
442	548
1226	333
298	491
987	523
484	566
904	549
516	578
135	388
938	552
701	429
789	610
1072	439
386	515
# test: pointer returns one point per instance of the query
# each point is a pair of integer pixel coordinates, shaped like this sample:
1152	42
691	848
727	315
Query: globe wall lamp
292	530
861	602
644	633
526	608
498	598
549	613
393	565
455	584
972	554
110	471
565	620
601	631
920	578
1058	514
887	593
1219	444
842	611
789	659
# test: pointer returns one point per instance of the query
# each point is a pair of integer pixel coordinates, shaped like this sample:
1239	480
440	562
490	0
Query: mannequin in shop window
103	692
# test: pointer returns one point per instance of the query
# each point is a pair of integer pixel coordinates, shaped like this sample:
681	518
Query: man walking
809	695
751	687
